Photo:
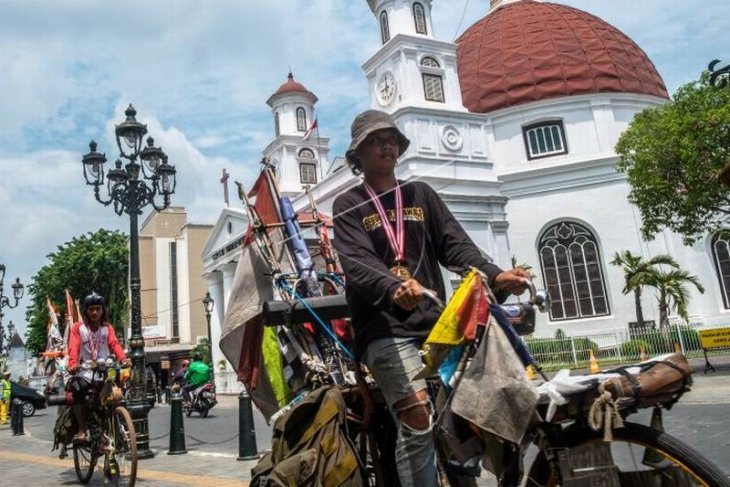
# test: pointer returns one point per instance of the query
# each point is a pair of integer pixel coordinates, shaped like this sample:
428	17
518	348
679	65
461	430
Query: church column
228	270
215	288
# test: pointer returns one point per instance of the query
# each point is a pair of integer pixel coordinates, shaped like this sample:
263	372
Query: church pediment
228	230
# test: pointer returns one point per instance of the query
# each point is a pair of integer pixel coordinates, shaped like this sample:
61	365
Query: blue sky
199	74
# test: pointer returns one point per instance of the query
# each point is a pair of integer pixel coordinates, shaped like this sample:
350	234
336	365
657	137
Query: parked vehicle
31	398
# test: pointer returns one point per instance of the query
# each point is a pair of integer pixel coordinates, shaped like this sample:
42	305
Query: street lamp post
131	189
718	77
208	306
18	290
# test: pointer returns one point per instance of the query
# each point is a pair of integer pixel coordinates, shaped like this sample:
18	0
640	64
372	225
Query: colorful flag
457	325
55	340
311	130
72	315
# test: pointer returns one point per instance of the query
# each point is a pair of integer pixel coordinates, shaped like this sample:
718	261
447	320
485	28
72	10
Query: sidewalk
28	460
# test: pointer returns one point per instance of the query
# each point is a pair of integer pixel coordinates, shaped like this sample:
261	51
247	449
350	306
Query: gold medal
401	272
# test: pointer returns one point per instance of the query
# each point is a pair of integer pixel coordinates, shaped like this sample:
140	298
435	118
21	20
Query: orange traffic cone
530	371
642	354
594	363
677	347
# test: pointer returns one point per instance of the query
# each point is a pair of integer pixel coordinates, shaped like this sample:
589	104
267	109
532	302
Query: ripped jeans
394	362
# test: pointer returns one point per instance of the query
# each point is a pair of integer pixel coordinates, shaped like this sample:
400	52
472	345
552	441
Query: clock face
386	87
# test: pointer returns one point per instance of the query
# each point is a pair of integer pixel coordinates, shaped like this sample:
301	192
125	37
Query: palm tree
639	273
674	293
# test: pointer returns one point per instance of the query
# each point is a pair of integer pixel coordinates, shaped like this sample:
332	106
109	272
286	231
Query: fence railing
619	346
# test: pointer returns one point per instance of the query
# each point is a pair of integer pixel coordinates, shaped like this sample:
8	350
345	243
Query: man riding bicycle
391	237
91	339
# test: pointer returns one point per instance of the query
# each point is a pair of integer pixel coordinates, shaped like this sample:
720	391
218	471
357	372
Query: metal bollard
17	421
177	427
247	449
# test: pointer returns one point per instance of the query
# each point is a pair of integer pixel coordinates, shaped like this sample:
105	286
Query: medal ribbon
396	240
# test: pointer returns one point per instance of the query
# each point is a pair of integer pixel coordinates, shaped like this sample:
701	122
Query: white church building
514	125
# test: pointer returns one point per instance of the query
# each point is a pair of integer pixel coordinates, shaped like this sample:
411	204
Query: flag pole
319	151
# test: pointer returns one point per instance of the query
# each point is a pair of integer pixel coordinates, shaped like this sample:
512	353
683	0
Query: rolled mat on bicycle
657	382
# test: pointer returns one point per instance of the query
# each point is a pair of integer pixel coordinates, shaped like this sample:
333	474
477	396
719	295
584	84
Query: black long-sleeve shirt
433	237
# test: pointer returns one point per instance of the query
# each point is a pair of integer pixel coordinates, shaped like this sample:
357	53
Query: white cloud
199	74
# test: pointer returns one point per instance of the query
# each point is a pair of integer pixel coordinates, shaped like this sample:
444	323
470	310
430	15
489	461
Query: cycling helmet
197	357
93	299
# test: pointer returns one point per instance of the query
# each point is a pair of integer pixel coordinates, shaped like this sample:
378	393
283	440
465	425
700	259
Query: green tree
95	261
203	349
639	273
672	156
673	288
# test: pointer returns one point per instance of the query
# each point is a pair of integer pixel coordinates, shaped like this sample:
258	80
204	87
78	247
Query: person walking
391	236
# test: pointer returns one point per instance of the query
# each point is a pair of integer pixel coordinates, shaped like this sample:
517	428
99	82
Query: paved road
700	420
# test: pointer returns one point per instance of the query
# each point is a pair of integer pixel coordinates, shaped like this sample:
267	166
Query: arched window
301	120
430	62
419	17
573	272
277	129
384	30
306	154
721	257
433	84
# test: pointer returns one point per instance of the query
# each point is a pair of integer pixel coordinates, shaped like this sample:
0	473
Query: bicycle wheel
667	459
124	448
85	457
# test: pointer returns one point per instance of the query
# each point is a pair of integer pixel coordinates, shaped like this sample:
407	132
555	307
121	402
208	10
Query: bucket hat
365	124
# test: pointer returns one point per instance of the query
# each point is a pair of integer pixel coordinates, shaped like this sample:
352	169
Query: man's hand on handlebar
512	280
408	294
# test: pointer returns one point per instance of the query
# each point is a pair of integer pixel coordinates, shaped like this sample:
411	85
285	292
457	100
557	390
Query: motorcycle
201	399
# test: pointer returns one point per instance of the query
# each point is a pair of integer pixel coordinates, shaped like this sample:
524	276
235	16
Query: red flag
266	204
72	312
311	130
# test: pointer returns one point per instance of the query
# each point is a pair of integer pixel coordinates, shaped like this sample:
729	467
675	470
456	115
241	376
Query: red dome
291	86
528	51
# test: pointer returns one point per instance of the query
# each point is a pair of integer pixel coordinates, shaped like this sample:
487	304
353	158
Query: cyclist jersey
433	237
85	344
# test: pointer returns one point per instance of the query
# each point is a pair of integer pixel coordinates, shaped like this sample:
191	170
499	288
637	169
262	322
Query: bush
632	348
560	350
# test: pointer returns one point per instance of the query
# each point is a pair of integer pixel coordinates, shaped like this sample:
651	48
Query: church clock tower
297	152
414	77
411	68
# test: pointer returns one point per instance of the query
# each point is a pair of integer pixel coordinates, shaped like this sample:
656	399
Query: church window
301	120
419	17
545	139
277	128
721	257
433	83
307	173
384	29
573	272
306	154
430	62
